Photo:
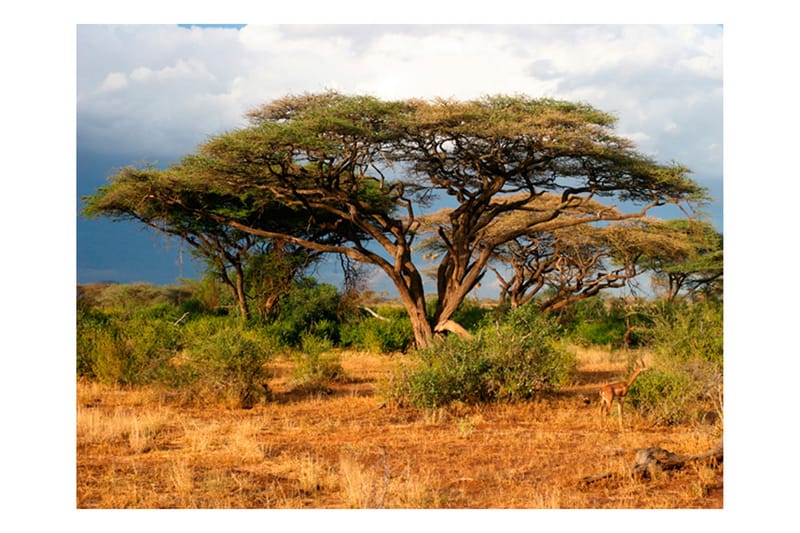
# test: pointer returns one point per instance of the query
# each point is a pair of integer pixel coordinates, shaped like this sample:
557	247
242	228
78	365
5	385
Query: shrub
528	356
666	396
470	315
394	334
136	296
93	328
684	332
224	361
308	307
124	349
512	360
591	321
452	369
315	365
685	382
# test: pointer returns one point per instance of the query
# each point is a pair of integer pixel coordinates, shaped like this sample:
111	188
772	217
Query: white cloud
114	81
153	89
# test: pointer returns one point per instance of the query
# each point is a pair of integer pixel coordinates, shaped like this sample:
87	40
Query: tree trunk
269	304
241	297
412	294
237	289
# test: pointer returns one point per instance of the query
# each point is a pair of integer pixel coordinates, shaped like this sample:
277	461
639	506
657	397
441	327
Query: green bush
308	307
470	315
450	370
528	354
685	383
115	348
224	361
591	321
511	361
394	334
93	328
316	366
688	331
136	296
665	396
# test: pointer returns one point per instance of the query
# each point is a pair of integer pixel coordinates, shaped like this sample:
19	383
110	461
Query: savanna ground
139	448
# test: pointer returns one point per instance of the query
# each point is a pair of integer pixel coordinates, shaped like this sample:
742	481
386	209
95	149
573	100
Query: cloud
163	89
112	82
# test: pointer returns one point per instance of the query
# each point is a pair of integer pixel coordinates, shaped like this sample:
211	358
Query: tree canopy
356	175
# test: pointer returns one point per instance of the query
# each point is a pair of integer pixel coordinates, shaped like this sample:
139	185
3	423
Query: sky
153	93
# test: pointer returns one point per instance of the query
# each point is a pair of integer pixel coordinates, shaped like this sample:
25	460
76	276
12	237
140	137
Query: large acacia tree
364	170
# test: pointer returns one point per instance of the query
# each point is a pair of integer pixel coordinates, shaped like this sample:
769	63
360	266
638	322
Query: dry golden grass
136	449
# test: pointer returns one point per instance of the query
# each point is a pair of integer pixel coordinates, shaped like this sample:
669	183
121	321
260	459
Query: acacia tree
271	271
696	268
570	264
250	266
365	169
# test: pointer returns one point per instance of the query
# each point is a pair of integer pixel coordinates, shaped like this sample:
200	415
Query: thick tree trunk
412	294
423	333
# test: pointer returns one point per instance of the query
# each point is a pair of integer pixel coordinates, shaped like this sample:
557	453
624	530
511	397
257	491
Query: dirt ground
349	449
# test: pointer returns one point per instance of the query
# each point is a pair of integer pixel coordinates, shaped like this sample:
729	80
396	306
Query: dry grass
346	450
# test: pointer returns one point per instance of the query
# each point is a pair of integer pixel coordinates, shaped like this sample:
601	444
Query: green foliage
92	331
511	360
309	307
470	315
316	365
132	296
450	370
694	267
685	383
591	321
527	353
681	393
394	334
208	296
225	361
208	358
125	349
683	332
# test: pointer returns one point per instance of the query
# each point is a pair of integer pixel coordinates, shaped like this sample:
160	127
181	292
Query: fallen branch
373	313
659	459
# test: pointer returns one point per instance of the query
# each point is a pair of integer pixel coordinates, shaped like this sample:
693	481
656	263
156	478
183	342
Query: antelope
616	391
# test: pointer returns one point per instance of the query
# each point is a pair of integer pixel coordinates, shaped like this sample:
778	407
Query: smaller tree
567	260
159	200
692	269
272	269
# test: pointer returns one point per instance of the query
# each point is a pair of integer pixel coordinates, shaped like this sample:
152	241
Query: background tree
271	270
363	170
158	200
567	263
692	269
